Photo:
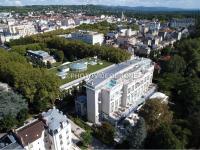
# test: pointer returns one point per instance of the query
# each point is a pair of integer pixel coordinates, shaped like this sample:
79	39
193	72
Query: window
129	90
120	102
112	107
60	136
116	104
61	142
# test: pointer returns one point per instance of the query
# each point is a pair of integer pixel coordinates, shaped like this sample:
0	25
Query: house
51	131
41	56
9	142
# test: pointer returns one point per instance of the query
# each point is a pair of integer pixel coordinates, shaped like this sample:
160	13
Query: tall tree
138	134
155	113
11	103
164	138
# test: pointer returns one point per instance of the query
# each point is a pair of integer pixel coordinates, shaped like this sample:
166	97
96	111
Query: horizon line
100	5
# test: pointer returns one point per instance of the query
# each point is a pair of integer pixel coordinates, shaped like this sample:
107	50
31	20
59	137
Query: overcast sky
163	3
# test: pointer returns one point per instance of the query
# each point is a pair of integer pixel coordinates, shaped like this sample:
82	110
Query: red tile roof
31	132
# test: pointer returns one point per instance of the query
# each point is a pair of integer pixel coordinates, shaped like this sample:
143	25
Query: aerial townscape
88	75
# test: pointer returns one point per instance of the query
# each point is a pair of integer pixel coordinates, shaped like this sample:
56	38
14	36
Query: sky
149	3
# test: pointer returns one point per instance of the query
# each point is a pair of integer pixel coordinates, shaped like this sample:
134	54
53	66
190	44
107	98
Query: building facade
41	56
50	132
117	91
88	37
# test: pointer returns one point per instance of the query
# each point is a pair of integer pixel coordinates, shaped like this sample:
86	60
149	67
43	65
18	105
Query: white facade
37	144
59	130
22	29
114	93
51	132
88	37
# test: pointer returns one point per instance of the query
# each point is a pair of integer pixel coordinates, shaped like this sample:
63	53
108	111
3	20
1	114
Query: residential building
126	40
9	142
58	130
22	30
88	37
182	23
142	49
41	56
68	22
50	132
114	93
31	136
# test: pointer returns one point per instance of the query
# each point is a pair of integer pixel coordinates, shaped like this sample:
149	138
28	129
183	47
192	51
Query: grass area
72	75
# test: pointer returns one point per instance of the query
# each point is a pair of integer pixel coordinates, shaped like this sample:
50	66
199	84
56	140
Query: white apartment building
51	132
22	29
117	91
88	37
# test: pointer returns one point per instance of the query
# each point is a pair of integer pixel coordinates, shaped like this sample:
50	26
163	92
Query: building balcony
123	112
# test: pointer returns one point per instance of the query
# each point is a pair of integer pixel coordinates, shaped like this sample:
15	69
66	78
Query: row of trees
78	49
38	86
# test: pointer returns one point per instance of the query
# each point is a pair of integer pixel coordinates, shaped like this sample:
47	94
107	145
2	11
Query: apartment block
116	92
88	37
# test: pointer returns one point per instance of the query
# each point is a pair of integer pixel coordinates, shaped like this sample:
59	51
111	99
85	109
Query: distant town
79	78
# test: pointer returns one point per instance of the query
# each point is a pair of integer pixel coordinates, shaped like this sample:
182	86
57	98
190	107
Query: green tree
7	122
187	97
86	138
169	81
11	103
195	128
33	83
163	138
175	65
59	55
22	116
138	134
155	113
106	133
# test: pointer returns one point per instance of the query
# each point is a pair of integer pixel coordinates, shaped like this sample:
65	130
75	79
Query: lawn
72	75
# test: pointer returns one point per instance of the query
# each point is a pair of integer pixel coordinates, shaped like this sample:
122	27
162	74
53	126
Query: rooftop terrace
95	81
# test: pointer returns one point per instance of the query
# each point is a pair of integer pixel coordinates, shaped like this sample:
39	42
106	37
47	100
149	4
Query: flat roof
96	80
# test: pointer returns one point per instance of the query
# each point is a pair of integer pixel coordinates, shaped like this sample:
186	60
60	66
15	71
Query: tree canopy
33	83
137	135
155	113
11	103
